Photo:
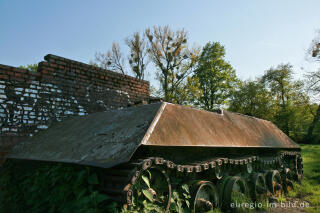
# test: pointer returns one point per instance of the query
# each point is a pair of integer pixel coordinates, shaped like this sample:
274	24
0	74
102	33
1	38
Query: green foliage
278	81
240	198
52	188
147	194
252	98
169	53
309	190
180	200
290	102
67	188
281	198
143	193
204	79
313	87
188	92
146	180
138	51
278	98
30	67
216	77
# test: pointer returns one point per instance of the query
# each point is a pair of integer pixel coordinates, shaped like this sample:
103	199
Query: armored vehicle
150	152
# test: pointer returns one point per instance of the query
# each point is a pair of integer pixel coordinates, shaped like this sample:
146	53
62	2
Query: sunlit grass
281	198
309	190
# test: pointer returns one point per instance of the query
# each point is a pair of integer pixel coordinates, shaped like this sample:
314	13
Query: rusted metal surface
101	139
184	126
109	138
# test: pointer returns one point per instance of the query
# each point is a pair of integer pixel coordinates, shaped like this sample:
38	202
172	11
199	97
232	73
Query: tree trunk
316	118
166	96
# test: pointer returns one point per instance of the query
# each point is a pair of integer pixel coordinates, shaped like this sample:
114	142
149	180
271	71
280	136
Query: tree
252	98
313	85
188	92
287	95
111	60
30	67
138	52
315	47
169	52
278	80
216	77
275	97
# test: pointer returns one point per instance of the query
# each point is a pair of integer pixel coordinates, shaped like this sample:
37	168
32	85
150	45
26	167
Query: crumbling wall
32	101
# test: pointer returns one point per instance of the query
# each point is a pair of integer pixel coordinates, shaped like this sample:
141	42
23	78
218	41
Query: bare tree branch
111	60
138	52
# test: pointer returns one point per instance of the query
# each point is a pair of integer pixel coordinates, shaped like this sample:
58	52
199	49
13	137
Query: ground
308	193
34	191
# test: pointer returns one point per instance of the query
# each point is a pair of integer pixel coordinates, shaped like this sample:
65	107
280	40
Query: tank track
218	174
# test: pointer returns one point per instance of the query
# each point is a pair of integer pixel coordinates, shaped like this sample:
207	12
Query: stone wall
32	101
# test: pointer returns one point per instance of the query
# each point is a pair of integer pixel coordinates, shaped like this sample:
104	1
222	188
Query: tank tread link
212	181
153	153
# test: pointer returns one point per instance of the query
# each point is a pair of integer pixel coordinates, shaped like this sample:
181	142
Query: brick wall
30	102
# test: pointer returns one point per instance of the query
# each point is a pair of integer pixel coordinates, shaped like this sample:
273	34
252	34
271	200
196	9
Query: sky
256	34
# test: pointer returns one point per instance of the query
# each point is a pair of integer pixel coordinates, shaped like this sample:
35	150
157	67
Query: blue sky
256	34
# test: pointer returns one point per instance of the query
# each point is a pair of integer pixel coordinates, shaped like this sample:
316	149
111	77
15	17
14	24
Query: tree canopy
203	78
216	77
169	52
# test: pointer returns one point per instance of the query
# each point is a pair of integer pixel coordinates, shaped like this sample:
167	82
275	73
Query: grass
309	190
241	199
75	188
281	198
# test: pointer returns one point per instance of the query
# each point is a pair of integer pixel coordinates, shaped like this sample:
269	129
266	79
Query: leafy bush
52	188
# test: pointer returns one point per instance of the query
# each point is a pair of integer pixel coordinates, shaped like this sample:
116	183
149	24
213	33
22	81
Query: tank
150	152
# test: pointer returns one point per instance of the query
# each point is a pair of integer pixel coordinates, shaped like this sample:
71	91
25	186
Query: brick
71	78
4	77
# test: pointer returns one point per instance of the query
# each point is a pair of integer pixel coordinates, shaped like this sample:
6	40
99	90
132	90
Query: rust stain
108	138
185	126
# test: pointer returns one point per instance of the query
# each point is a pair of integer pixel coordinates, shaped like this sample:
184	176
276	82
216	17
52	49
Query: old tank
151	151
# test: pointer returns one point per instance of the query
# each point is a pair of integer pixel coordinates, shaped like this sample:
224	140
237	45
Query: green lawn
309	190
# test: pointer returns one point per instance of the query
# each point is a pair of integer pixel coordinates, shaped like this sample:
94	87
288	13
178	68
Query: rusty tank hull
109	138
214	151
